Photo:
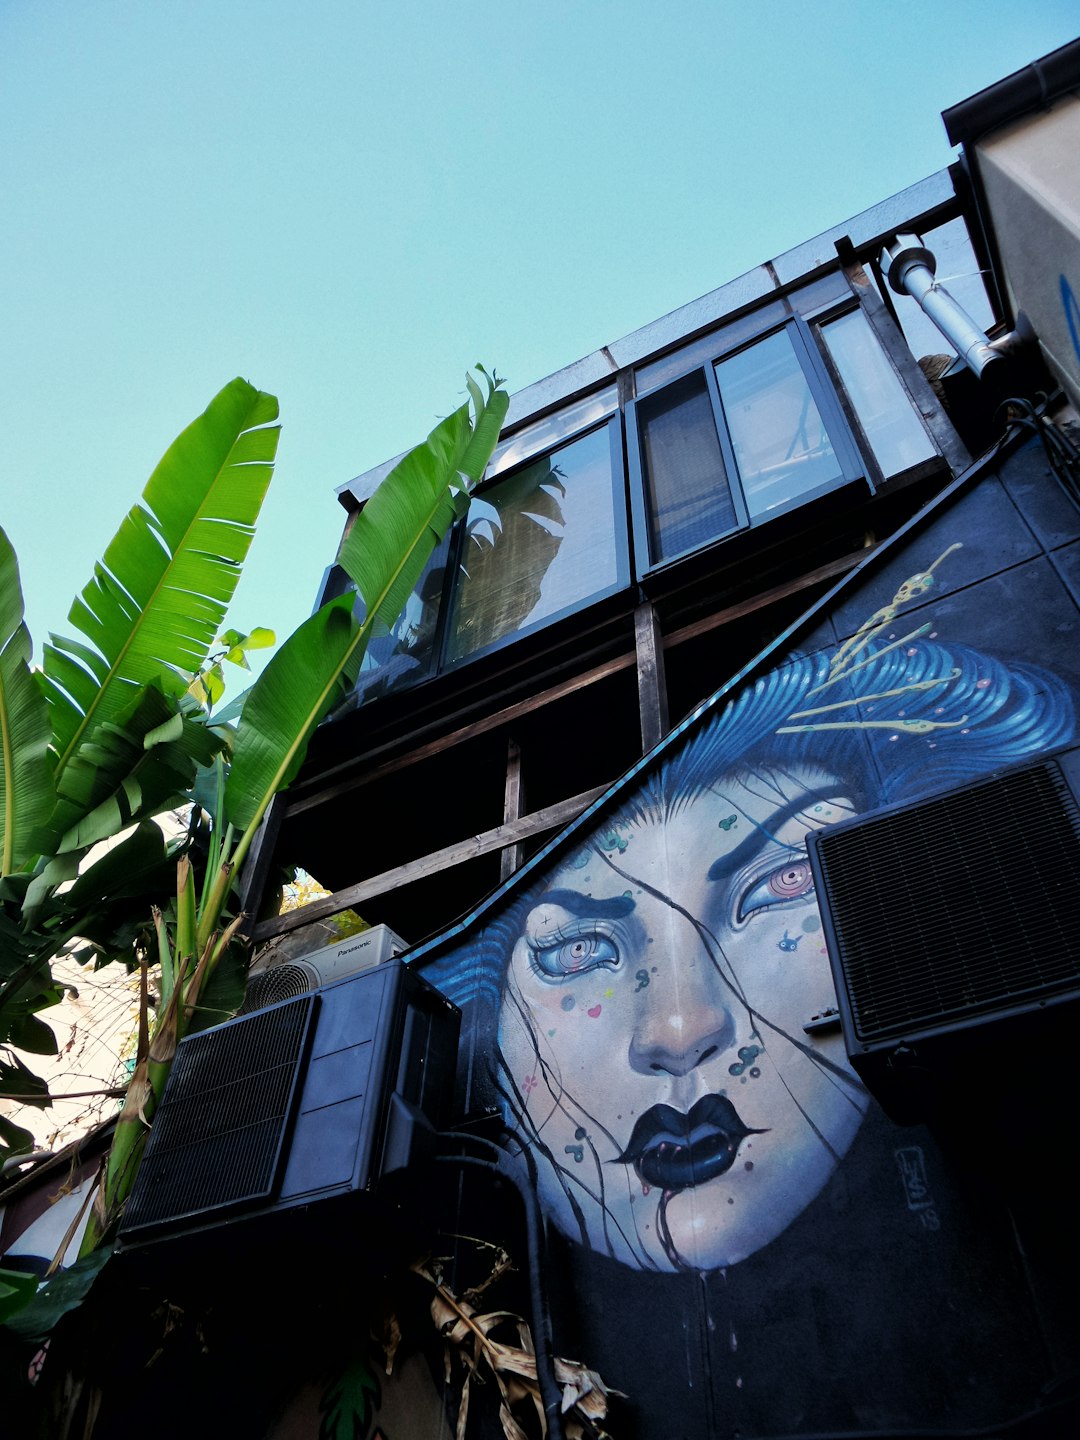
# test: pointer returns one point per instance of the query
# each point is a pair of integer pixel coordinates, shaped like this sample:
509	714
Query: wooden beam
455	737
513	807
765	597
313	798
516	829
652	687
550	818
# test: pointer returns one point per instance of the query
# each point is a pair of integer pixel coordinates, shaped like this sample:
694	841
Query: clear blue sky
349	201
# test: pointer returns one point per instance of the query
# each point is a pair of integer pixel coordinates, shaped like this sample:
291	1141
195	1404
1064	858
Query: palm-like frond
156	603
26	789
385	552
392	537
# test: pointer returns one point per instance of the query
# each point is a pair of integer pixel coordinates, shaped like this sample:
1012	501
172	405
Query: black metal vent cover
941	911
218	1136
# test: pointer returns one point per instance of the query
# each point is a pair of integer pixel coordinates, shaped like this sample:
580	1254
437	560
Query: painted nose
684	1018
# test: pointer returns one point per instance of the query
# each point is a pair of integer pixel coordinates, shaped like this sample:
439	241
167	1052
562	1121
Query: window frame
823	391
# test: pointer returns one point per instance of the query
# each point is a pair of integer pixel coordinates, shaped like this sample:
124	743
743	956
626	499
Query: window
734	442
781	405
782	449
893	430
690	501
537	544
406	654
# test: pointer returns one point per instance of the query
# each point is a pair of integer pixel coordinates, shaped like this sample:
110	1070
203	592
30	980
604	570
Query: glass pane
893	429
781	446
706	347
687	493
539	542
396	660
547	432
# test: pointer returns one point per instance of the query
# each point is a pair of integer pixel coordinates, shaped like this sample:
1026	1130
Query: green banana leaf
155	605
26	787
385	552
312	670
390	541
138	767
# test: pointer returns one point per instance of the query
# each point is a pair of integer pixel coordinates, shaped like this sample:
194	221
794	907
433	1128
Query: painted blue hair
910	721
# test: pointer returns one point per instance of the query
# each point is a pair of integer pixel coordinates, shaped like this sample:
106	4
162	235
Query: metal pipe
910	266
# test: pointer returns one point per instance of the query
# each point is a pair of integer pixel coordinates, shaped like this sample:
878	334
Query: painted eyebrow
727	864
587	907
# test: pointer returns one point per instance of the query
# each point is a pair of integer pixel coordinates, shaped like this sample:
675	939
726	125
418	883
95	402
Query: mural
636	1009
647	997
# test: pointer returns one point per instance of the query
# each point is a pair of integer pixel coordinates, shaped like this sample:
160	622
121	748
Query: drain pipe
910	268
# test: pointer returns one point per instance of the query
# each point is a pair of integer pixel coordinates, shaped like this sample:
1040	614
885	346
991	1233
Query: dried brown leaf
391	1339
442	1312
463	1410
511	1358
488	1322
502	1264
518	1389
511	1429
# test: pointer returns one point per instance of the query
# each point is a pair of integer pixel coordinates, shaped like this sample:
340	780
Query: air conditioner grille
217	1138
281	982
958	904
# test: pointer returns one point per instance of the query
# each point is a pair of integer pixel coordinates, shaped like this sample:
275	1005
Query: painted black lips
674	1151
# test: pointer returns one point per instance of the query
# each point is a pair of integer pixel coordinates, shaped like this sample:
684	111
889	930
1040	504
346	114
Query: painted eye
576	956
792	881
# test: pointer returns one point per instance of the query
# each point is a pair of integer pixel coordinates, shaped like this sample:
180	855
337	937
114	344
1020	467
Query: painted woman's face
652	1028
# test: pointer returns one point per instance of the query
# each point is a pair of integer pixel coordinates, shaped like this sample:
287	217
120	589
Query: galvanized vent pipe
910	268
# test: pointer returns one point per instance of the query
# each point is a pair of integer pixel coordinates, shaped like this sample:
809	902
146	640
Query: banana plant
118	728
385	553
104	738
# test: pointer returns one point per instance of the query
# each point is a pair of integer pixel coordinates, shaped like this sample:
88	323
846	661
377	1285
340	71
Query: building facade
789	557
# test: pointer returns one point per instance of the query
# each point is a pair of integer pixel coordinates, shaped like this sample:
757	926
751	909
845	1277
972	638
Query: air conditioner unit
345	957
953	928
306	1103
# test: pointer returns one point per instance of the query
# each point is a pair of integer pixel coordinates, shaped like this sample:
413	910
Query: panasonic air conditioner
268	985
299	1107
953	929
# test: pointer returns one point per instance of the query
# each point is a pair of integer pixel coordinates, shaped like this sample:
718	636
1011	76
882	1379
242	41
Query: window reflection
890	424
407	652
782	448
549	431
537	543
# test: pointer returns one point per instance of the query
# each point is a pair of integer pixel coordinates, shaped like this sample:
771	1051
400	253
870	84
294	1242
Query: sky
349	202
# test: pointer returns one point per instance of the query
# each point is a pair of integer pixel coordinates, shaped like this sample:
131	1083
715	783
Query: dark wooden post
652	689
513	807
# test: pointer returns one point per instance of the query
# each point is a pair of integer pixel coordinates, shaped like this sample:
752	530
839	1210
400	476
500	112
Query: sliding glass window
782	449
891	424
734	442
688	501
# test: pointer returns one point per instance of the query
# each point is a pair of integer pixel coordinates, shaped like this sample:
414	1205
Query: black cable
1061	454
502	1165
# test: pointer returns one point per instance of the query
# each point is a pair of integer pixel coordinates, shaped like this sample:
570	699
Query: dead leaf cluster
475	1356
